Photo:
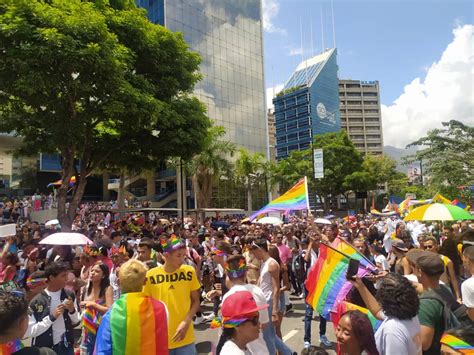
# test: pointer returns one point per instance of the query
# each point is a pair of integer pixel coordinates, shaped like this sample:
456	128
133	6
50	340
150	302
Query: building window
373	145
354	102
371	103
354	110
357	136
290	102
373	136
353	94
302	110
293	147
373	94
352	120
291	113
372	110
371	119
292	137
304	146
351	86
291	125
304	135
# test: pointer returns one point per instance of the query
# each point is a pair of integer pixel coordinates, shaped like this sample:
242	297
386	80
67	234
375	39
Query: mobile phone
352	269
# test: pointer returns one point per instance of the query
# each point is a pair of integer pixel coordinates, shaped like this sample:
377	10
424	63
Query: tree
447	156
94	81
359	181
249	169
381	167
210	164
341	159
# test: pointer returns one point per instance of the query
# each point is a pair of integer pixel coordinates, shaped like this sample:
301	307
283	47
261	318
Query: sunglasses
428	246
253	320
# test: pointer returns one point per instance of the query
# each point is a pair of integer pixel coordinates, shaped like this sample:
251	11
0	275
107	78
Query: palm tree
210	165
249	168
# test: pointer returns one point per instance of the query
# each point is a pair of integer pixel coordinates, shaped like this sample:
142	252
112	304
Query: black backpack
455	314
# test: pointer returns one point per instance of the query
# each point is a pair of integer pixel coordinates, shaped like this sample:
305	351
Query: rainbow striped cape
294	199
135	324
326	282
343	306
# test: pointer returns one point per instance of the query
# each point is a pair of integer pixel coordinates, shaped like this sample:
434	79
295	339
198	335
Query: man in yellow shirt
177	286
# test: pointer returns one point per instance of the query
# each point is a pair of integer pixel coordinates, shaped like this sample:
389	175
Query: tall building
228	36
271	134
308	105
360	114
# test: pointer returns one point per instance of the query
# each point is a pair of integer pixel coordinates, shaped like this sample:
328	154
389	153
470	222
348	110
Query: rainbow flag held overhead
135	324
347	249
326	282
294	199
343	307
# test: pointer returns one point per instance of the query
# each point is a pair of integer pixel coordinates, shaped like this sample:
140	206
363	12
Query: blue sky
390	41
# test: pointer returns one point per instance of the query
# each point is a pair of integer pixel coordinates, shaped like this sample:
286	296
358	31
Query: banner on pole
318	164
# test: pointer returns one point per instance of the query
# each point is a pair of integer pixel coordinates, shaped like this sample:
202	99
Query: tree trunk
150	185
66	175
105	186
76	199
249	197
121	191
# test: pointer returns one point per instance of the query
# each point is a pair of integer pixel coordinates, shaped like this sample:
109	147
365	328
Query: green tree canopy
448	157
96	82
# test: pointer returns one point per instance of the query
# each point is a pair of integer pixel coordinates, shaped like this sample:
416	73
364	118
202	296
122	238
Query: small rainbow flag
11	347
457	344
343	306
136	324
326	282
294	199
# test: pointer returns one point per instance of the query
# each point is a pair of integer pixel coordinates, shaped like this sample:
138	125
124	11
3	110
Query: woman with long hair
96	300
355	335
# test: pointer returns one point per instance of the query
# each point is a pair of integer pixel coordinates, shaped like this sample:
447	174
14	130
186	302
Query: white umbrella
269	220
66	238
8	230
52	222
322	221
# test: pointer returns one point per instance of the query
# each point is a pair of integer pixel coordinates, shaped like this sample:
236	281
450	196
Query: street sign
318	163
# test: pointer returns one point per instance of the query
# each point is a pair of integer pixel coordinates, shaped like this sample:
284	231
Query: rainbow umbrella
438	212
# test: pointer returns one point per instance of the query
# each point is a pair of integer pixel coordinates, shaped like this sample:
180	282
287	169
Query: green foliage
249	167
381	167
360	181
447	156
94	81
289	90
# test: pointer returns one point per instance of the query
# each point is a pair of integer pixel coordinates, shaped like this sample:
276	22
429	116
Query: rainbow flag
11	347
343	306
58	183
326	282
135	324
294	199
347	249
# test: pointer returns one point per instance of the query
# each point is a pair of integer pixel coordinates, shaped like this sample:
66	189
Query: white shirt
467	292
258	346
59	327
401	337
230	348
382	260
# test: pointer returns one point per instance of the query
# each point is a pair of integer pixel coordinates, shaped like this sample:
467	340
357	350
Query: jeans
271	339
308	318
184	350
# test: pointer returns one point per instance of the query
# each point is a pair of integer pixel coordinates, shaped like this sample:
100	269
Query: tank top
265	280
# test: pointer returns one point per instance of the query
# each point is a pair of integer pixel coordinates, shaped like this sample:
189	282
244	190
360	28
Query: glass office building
308	104
228	36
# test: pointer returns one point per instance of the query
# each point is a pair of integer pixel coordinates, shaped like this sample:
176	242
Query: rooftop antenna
302	53
333	25
311	27
322	30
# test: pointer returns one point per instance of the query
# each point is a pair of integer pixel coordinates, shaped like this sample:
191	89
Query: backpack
454	314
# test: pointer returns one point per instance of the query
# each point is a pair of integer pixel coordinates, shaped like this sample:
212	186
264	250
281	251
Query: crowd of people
139	288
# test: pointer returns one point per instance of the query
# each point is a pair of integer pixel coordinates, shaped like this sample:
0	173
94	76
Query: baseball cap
430	263
240	303
399	244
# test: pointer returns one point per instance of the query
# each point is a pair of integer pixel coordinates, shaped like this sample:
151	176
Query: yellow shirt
174	289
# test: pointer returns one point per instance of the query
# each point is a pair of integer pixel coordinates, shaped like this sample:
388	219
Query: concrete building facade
361	115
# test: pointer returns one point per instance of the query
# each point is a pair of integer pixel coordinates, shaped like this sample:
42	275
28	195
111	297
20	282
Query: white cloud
295	51
270	92
446	93
270	11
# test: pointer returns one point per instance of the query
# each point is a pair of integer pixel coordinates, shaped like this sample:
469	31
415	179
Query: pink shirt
285	253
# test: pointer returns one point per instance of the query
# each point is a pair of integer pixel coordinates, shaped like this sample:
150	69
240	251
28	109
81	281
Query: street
292	330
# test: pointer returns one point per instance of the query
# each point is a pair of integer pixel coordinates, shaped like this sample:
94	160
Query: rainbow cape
135	324
343	306
326	282
294	199
11	347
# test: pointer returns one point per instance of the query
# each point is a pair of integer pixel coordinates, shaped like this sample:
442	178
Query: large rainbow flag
294	199
136	324
326	282
343	307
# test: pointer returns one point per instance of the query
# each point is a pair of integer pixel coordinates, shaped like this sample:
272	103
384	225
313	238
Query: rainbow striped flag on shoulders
135	324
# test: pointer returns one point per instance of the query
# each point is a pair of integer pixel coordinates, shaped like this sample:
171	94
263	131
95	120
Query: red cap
239	304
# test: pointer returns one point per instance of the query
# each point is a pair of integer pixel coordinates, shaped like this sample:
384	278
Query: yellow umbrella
438	212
